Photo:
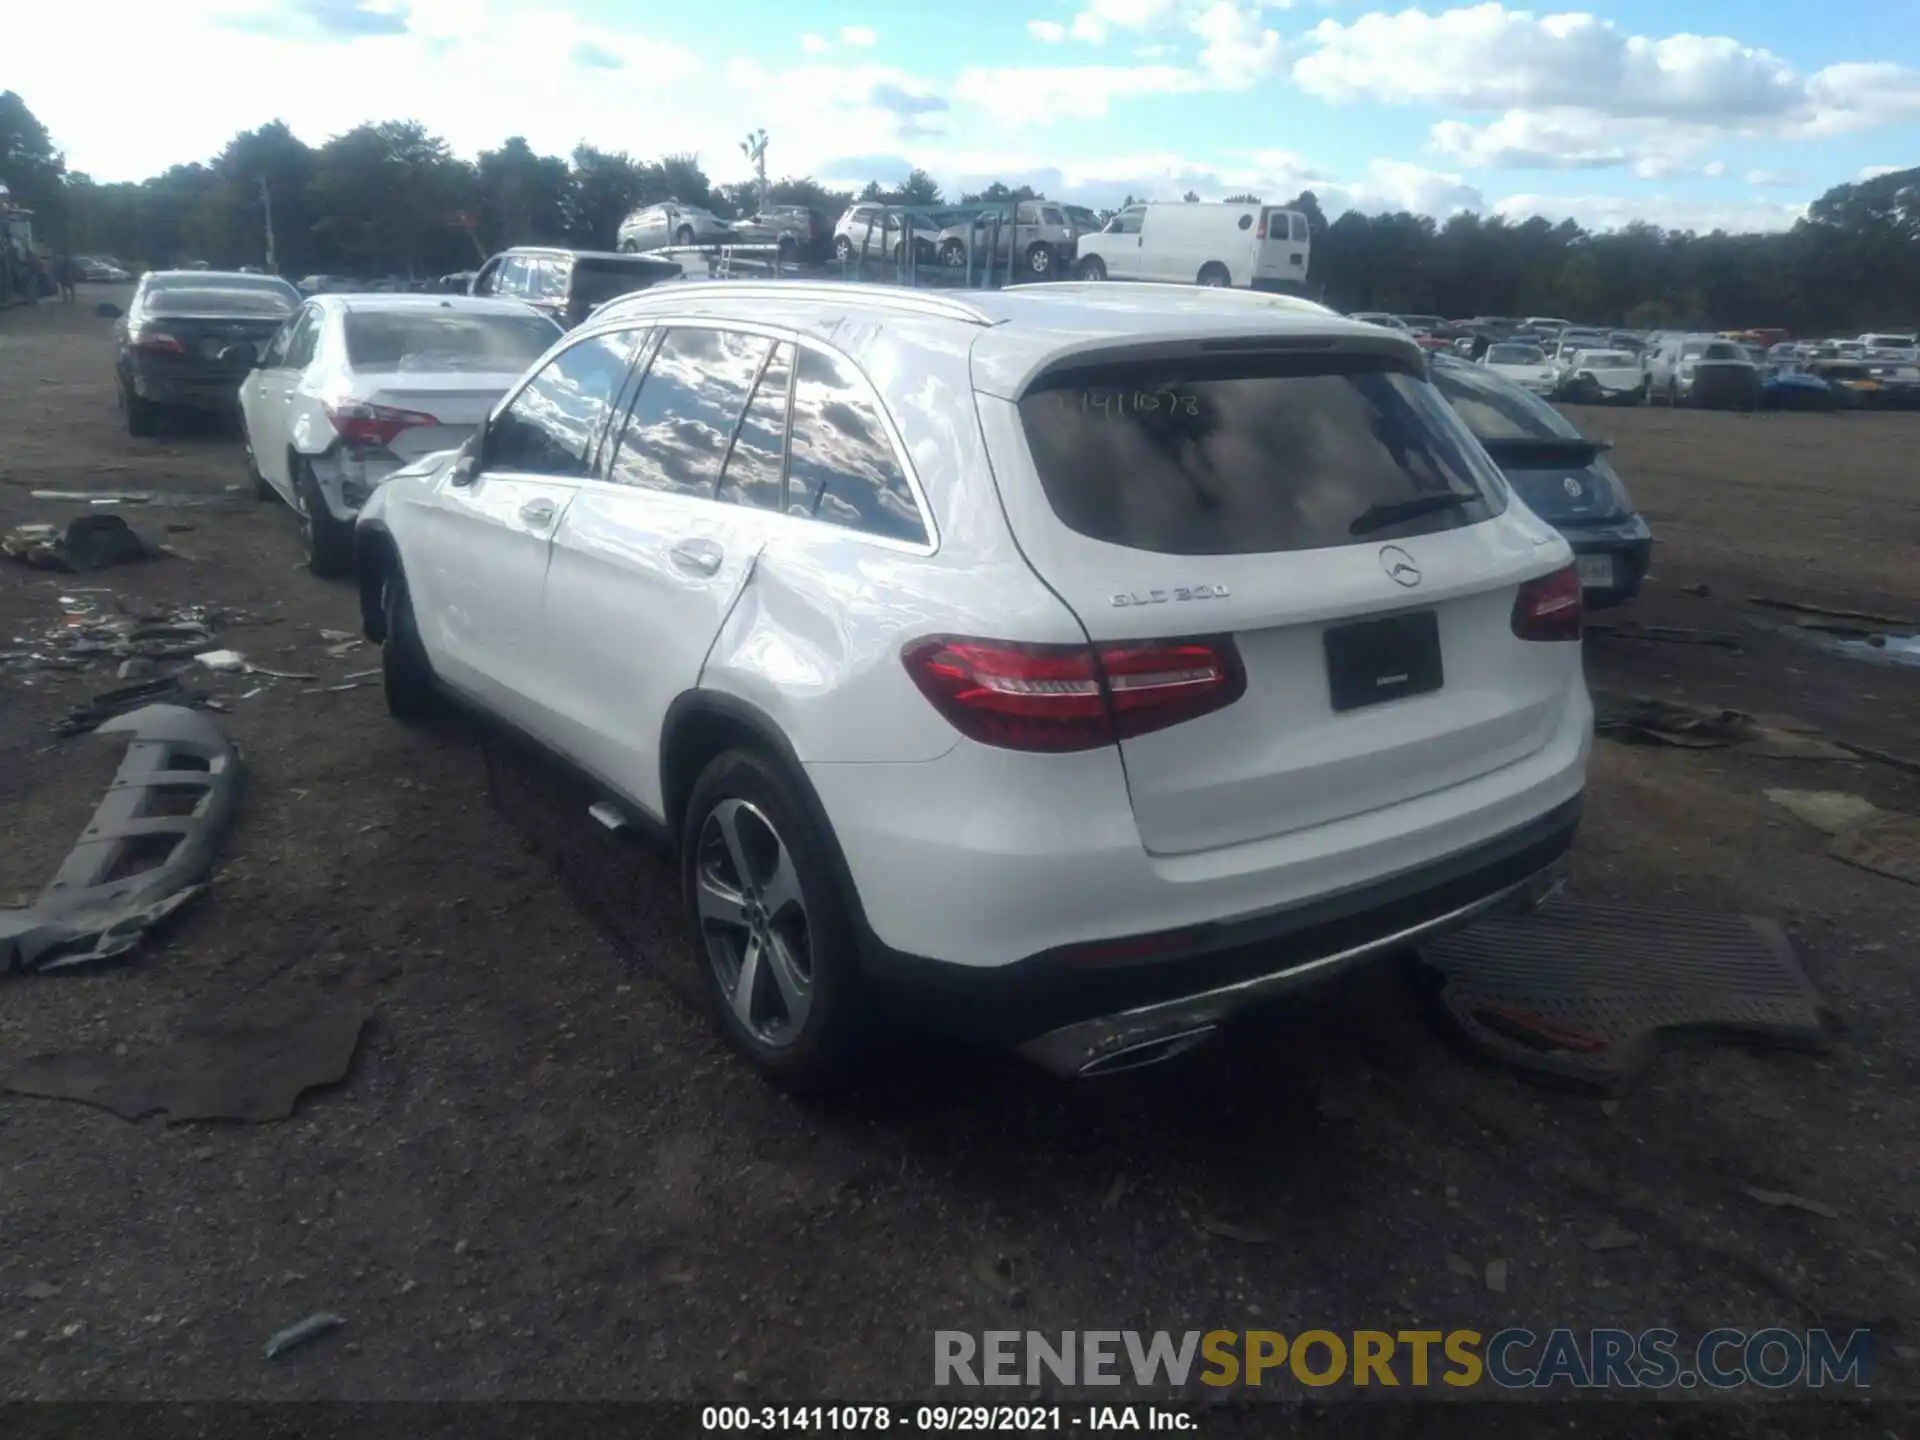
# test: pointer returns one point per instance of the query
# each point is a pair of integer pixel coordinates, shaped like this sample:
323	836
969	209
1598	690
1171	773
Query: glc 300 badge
1178	592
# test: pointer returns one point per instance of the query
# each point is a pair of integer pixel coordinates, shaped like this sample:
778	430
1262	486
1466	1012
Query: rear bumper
213	390
1006	895
1630	545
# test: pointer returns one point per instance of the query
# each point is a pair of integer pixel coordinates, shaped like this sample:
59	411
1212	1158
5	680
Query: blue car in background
1563	477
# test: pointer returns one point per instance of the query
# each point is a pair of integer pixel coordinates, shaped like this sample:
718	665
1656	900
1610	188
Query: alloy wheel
753	922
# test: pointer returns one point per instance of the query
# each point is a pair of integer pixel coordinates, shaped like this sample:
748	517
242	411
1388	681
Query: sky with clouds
1734	117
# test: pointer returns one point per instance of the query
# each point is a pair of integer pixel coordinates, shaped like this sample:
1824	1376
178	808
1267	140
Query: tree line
392	198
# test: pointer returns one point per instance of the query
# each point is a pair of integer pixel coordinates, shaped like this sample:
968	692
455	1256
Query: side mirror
466	465
241	356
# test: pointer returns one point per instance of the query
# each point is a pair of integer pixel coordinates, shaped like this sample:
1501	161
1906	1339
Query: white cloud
1558	138
1050	32
1101	16
858	35
1488	57
1611	212
1714	169
815	44
1239	49
1856	96
1017	96
1874	172
1775	179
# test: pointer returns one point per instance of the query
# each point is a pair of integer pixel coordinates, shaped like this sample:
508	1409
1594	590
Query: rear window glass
1230	458
446	340
1607	358
596	281
1516	355
1723	350
1497	409
222	300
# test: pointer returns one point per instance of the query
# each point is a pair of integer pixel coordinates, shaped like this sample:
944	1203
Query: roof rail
1159	287
892	297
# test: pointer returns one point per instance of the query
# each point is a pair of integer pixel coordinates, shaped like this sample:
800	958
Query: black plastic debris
1587	993
247	1068
91	714
145	852
84	544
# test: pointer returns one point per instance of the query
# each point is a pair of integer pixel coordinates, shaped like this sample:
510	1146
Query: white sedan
1603	377
352	387
1525	365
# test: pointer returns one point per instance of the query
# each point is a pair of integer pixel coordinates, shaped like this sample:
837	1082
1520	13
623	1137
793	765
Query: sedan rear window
1497	409
188	300
1723	350
446	340
1238	457
1515	355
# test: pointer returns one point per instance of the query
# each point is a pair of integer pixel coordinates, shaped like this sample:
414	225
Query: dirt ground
546	1178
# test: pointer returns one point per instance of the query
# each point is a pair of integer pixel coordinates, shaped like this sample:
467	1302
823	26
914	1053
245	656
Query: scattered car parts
145	852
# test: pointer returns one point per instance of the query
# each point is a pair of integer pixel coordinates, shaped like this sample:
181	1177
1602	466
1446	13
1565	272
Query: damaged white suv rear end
1068	667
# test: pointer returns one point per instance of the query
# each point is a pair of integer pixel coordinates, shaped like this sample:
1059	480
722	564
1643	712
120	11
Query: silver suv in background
654	227
1037	237
877	232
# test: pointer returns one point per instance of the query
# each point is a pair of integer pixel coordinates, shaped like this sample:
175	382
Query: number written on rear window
756	463
842	468
689	403
549	428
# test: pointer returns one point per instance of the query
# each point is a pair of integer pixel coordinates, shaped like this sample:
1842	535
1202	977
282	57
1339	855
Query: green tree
32	169
522	196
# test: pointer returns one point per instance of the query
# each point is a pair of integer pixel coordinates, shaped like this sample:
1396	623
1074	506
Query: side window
304	340
842	469
487	282
546	279
1051	216
1128	222
758	458
677	430
549	428
513	277
275	355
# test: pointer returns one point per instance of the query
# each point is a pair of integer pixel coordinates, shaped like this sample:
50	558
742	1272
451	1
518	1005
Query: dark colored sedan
175	338
1563	477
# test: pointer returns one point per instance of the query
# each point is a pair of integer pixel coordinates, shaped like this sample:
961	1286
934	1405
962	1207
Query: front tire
1093	268
842	249
328	542
1040	260
683	236
771	929
953	254
405	673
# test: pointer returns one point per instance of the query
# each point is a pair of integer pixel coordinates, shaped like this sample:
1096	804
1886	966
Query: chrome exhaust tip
1143	1053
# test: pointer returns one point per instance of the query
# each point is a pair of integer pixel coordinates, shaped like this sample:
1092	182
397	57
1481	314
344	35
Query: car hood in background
1529	375
1614	377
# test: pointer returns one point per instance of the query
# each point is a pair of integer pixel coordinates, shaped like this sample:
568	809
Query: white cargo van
1260	247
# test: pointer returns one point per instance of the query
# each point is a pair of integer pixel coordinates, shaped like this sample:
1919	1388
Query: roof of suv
1026	328
402	300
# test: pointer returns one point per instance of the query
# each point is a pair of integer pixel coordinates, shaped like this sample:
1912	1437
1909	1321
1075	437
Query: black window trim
670	320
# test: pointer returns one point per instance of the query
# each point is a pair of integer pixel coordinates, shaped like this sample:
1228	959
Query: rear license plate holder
1374	661
1596	572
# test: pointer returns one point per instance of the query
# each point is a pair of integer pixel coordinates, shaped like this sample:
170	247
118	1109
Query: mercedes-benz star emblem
1572	482
1399	566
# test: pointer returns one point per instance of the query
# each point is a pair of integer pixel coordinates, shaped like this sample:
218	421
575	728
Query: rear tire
758	880
405	673
1040	260
143	416
1093	268
1215	277
328	541
261	489
683	236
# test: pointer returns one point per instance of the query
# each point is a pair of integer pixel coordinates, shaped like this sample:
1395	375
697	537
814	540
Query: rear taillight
1072	697
1261	233
1550	607
365	426
158	340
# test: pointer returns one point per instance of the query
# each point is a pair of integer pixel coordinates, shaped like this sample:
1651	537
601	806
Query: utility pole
266	206
754	147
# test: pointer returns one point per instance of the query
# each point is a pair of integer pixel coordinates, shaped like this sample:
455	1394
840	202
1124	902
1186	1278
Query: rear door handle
700	556
537	512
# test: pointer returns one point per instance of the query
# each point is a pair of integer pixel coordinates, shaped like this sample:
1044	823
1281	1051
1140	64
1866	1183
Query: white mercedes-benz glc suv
1069	666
